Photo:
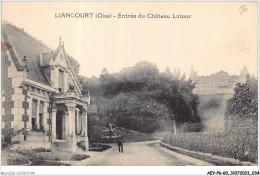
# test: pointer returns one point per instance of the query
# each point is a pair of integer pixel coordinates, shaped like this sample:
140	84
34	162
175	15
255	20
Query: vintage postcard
129	84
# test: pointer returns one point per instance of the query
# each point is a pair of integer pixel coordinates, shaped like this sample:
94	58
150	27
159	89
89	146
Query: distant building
217	83
41	94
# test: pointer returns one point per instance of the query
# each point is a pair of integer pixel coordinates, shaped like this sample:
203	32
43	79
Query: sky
216	37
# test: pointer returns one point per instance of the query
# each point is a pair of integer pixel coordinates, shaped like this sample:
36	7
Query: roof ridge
12	51
26	33
37	46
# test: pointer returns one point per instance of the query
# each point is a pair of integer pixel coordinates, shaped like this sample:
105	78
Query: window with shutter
41	108
34	114
41	115
34	109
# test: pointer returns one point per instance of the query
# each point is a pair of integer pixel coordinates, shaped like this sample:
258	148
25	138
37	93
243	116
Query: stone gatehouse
43	100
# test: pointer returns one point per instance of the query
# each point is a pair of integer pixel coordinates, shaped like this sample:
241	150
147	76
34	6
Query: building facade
219	83
42	97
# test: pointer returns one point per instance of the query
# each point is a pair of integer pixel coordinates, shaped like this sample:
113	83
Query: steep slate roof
46	58
25	45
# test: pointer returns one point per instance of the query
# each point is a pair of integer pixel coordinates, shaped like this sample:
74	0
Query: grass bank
231	145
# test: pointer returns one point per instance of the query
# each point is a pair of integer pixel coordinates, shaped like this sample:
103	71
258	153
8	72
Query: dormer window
61	81
61	56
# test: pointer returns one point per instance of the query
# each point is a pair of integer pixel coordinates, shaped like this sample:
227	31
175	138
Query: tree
242	108
244	103
104	71
132	112
141	98
141	71
92	84
241	118
74	64
168	73
104	75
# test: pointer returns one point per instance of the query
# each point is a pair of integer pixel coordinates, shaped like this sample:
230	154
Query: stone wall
12	96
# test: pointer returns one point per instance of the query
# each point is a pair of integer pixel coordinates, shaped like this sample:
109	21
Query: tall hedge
241	118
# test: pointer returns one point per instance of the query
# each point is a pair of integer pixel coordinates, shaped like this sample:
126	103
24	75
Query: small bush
47	159
16	142
79	157
26	152
17	161
39	150
62	156
13	158
99	147
30	154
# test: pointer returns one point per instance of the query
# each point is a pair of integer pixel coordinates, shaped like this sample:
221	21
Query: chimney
25	69
24	60
60	41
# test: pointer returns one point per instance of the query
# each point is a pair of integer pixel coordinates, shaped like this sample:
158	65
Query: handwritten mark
242	9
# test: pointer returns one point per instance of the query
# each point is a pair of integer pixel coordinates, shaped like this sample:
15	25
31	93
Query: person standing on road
120	143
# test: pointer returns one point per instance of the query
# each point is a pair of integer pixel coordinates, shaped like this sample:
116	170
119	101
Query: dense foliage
140	97
244	103
242	110
74	64
240	139
241	117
